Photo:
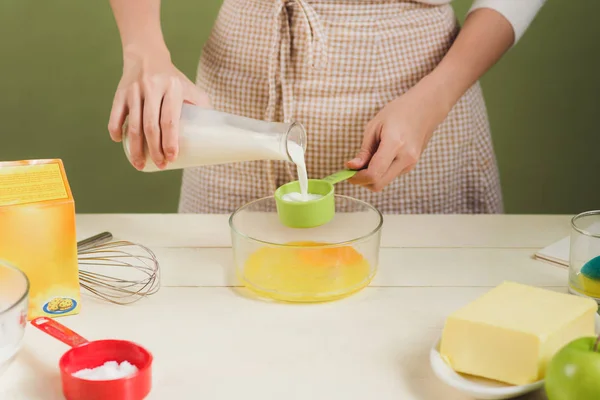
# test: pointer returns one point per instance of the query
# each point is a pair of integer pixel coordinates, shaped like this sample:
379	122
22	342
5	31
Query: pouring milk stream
212	137
297	156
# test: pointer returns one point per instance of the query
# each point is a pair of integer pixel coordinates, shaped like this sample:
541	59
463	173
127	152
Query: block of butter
510	333
37	234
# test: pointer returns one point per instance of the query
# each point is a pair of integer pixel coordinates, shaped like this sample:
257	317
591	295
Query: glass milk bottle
212	137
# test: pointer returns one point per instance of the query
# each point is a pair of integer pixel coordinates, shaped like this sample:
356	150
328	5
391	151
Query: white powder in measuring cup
297	197
109	371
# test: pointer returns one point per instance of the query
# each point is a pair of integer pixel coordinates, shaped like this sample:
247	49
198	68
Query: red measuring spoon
91	354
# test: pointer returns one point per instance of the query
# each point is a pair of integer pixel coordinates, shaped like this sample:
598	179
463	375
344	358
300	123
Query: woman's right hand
151	93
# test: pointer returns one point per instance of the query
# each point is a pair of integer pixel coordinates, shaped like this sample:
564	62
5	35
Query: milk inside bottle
212	137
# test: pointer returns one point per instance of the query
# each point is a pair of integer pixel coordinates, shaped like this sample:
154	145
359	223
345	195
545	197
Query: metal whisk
136	266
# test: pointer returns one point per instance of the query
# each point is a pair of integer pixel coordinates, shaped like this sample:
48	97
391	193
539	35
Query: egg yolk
306	271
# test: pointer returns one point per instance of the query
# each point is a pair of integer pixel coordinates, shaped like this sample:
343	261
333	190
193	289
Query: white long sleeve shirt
520	13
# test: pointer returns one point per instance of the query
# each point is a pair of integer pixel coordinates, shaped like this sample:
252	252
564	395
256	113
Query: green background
60	62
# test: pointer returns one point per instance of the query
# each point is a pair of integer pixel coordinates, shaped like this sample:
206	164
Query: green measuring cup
311	213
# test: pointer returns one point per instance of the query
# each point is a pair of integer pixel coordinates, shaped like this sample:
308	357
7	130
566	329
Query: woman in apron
386	86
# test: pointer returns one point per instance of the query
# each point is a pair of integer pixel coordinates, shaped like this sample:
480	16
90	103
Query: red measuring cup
85	354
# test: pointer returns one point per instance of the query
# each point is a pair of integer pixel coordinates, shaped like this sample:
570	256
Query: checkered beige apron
332	65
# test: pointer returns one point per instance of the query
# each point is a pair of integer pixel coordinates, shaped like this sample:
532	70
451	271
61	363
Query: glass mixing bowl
14	300
324	263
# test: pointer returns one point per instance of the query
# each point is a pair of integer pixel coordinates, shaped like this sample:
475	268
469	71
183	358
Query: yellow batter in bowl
323	263
306	272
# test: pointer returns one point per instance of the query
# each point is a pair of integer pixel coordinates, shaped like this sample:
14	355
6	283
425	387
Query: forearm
484	38
139	26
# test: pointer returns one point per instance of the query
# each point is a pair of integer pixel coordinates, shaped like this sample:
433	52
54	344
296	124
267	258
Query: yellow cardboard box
37	234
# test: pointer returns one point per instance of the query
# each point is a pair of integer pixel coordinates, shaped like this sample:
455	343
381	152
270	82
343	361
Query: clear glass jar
318	264
208	136
584	255
14	300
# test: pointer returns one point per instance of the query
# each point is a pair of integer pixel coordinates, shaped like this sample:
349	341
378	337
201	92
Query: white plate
481	388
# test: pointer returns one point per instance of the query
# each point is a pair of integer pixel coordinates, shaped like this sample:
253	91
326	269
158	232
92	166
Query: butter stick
510	333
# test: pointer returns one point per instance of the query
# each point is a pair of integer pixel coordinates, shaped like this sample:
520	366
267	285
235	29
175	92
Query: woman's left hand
395	139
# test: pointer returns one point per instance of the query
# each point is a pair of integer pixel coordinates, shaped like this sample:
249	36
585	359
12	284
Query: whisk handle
94	241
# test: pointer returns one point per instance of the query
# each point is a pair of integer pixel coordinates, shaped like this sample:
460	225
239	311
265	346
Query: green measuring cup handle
340	176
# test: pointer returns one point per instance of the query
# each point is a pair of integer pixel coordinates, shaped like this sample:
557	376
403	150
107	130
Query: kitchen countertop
211	341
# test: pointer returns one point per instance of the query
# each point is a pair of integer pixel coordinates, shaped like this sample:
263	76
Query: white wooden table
210	342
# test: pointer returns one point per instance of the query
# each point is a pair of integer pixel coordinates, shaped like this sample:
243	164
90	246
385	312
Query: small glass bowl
318	264
14	300
584	255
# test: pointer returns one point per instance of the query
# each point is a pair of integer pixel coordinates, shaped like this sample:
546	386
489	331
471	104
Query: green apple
574	371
